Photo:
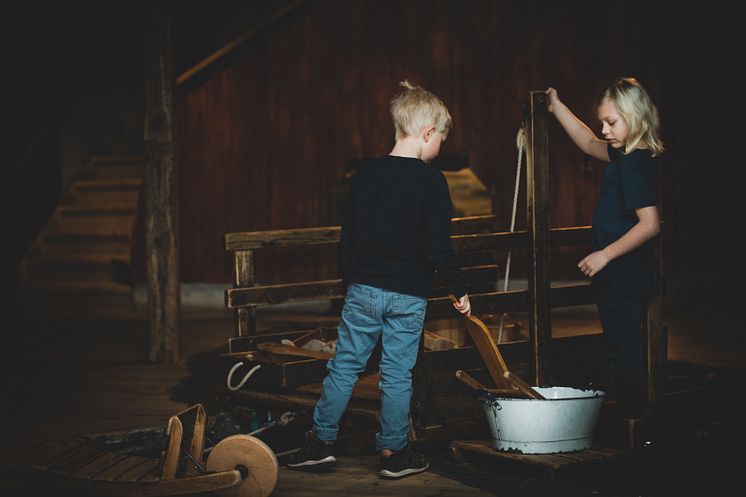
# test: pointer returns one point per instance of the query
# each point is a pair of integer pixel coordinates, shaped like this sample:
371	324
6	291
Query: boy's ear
427	133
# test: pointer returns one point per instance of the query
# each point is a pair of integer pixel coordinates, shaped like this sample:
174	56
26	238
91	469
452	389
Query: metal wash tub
562	422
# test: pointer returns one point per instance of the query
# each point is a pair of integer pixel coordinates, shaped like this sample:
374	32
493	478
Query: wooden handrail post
159	184
537	204
243	277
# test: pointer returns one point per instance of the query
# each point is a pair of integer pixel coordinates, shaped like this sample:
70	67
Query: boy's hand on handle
593	263
462	304
552	100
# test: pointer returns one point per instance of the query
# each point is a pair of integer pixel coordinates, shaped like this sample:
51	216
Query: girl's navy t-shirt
629	183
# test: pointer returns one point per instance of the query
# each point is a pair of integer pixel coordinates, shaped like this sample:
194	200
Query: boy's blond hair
637	109
416	108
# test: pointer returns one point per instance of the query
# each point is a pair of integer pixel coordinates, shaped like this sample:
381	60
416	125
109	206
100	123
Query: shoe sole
404	472
326	460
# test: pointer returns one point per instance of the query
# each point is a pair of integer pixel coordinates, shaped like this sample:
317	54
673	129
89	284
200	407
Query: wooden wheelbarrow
135	464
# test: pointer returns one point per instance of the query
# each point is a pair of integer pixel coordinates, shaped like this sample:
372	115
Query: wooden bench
440	402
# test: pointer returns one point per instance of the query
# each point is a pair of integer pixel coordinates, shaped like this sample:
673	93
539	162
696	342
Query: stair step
95	224
75	263
85	241
117	166
74	288
123	144
118	208
95	192
108	184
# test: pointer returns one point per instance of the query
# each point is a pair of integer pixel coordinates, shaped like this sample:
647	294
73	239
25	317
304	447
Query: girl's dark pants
622	297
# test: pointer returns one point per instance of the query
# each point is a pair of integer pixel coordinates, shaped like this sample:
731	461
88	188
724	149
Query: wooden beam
249	240
243	277
229	47
245	294
655	335
159	184
439	307
537	200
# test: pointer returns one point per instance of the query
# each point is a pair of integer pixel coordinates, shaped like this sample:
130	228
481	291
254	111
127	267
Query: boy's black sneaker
402	463
314	453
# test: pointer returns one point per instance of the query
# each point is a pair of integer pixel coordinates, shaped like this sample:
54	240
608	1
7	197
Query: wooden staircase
79	262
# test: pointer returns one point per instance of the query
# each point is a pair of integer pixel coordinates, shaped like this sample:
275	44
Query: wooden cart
157	462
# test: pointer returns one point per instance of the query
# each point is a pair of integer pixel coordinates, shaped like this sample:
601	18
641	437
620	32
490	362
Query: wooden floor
87	374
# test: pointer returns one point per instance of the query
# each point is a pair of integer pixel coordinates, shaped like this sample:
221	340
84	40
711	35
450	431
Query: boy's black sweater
396	228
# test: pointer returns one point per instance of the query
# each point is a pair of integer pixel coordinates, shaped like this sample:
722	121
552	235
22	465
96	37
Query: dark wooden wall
265	142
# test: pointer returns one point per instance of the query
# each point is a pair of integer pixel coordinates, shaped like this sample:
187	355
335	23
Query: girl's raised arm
576	129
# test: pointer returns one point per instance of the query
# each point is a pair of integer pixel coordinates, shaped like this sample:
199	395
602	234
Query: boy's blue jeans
368	314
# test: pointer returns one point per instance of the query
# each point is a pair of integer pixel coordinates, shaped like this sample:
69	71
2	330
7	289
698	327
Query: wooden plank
462	240
655	335
366	388
537	200
160	186
292	350
120	468
484	223
551	461
248	295
243	277
285	374
172	455
139	471
289	400
106	461
76	461
250	240
512	301
65	452
193	420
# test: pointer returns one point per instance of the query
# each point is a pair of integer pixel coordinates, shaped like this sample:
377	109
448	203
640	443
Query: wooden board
550	465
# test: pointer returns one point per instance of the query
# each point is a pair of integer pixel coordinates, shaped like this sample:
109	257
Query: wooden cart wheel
251	453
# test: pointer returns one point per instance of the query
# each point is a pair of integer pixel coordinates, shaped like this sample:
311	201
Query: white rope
520	143
245	378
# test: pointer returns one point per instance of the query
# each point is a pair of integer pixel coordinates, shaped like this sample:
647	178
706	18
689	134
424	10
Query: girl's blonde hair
416	108
639	112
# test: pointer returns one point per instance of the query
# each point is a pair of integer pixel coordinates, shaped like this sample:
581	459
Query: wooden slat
139	471
106	461
250	240
320	290
655	335
511	301
172	455
243	277
197	444
550	461
120	468
281	238
537	201
65	452
76	461
192	422
290	401
292	350
473	224
440	307
461	241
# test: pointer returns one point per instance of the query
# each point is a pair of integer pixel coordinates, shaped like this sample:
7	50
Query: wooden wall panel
265	143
